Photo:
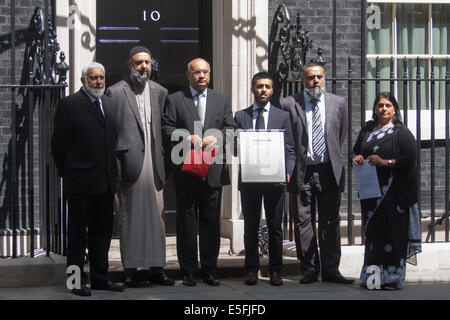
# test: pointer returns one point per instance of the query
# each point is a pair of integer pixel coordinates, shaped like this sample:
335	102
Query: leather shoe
275	279
162	279
308	277
107	286
83	291
189	280
252	278
337	279
133	283
211	280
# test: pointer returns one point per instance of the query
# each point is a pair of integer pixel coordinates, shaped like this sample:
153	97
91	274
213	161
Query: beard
139	79
315	92
95	92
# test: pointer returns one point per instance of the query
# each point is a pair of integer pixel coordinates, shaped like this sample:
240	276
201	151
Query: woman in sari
392	221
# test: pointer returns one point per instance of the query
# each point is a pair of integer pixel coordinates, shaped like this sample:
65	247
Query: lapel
189	102
155	111
209	113
89	106
133	104
248	114
328	112
301	108
271	120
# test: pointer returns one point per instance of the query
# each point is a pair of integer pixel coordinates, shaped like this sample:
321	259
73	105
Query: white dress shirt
202	96
265	114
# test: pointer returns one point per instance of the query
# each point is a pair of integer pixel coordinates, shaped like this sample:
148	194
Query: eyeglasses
198	72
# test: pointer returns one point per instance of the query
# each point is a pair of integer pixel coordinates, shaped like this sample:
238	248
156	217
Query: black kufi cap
138	49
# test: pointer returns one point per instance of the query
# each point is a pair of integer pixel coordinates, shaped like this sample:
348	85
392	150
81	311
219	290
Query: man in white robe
140	153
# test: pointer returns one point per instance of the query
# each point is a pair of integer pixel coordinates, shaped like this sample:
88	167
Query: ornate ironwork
289	43
42	52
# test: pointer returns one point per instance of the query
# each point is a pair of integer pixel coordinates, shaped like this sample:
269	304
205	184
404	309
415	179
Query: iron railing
288	48
25	218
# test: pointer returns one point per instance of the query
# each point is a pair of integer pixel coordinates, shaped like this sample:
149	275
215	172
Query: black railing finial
320	59
62	68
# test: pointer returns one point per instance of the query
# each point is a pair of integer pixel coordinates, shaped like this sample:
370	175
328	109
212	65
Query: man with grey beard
140	104
83	146
319	121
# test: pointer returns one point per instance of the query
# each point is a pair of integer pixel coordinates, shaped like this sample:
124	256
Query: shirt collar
266	107
195	92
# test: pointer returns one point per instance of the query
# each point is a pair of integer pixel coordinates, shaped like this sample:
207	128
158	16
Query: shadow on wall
246	29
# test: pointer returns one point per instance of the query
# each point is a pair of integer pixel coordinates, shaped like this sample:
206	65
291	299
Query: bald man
198	116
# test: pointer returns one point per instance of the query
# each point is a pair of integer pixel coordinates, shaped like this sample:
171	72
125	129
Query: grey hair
92	65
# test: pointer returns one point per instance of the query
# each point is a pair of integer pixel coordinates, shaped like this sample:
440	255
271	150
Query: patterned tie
201	107
318	140
260	120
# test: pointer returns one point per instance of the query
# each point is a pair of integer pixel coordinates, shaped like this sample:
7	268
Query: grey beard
138	79
96	93
315	92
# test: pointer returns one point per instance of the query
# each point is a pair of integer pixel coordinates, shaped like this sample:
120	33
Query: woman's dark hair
387	95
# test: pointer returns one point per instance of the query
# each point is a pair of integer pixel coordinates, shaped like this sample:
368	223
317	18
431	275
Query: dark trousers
320	191
90	218
190	196
251	199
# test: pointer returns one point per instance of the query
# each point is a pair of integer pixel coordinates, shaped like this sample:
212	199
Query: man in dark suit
260	116
319	123
198	116
140	104
83	145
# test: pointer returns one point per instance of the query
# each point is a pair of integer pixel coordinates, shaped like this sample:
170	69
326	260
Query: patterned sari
391	222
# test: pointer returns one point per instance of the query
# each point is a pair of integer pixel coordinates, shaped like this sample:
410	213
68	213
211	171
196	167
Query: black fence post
349	151
432	151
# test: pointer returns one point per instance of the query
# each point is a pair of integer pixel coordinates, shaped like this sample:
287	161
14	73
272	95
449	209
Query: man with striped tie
319	122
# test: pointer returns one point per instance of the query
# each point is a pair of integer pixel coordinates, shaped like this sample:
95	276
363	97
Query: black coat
181	113
83	145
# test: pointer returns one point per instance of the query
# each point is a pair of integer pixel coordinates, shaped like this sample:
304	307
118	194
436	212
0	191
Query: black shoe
83	291
391	286
133	283
162	279
107	286
275	279
308	277
211	280
339	278
252	278
189	280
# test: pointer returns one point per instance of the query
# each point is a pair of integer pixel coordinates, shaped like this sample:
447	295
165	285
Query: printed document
367	180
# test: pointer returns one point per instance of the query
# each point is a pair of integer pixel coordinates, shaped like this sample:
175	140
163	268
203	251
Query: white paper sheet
367	180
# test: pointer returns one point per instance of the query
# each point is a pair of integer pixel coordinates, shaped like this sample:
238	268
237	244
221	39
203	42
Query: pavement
43	278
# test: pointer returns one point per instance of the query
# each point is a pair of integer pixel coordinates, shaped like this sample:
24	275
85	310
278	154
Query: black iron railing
288	48
28	168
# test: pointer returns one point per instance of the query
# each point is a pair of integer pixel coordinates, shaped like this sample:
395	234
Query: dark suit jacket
131	139
83	145
181	113
278	119
336	129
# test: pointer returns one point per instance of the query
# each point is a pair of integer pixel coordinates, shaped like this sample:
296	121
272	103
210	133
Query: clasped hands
374	160
207	143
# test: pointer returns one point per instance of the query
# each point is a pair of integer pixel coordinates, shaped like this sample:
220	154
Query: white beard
315	92
96	93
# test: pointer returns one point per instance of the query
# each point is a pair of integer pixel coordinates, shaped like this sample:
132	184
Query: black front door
175	31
